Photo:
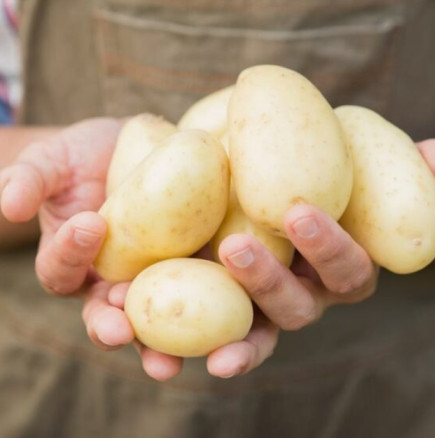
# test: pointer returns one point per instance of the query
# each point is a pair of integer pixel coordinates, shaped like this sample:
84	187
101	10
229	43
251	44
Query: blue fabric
6	117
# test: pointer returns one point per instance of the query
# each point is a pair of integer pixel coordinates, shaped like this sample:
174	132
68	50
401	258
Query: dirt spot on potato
177	309
148	308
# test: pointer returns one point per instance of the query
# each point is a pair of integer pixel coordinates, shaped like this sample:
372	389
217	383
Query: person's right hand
63	179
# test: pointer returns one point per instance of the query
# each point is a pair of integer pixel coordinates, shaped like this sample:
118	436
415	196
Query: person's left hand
329	268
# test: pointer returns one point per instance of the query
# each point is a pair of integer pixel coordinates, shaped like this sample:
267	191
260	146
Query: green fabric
362	371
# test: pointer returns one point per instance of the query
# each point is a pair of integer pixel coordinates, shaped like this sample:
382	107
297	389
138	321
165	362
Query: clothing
362	371
10	85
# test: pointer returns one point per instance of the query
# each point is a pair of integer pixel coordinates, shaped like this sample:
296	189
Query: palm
82	155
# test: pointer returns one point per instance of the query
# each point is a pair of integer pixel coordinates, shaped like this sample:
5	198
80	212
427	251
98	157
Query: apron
362	371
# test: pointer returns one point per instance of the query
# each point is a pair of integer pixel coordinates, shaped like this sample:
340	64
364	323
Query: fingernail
305	227
242	259
85	238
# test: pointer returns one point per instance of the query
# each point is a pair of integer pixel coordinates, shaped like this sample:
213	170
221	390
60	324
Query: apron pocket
153	61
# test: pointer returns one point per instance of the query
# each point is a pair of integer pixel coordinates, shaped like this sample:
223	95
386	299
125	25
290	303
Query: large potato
188	307
208	113
286	146
170	206
391	212
138	137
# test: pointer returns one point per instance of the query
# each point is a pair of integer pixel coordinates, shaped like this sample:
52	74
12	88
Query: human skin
12	141
63	178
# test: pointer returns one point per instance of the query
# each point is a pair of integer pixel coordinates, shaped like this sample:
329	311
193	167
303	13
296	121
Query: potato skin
286	147
208	113
391	212
138	138
188	307
236	221
170	206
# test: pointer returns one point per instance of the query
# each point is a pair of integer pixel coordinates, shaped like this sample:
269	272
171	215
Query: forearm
12	141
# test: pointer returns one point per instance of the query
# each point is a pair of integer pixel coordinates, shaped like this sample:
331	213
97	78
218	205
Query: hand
427	149
63	177
329	268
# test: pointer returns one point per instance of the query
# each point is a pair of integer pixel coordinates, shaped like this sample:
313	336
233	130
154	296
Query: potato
188	307
286	147
137	138
170	206
391	212
236	221
208	113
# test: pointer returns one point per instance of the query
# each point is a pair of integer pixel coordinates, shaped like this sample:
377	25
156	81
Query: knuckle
329	253
263	283
350	286
72	259
49	284
52	280
297	322
360	285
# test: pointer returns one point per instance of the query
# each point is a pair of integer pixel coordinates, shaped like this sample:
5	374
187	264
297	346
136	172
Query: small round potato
188	307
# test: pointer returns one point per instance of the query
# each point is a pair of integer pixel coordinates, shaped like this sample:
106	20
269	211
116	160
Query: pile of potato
173	189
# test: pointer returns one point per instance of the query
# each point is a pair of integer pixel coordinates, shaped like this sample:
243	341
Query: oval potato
391	212
286	147
188	307
138	137
170	206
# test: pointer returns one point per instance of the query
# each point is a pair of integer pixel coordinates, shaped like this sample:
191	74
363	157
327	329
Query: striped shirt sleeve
10	86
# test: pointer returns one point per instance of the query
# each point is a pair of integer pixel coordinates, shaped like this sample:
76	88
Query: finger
118	294
275	289
241	357
107	326
344	267
427	149
27	183
63	262
22	189
157	365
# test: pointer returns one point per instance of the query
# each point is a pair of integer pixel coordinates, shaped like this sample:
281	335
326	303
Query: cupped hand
62	178
329	268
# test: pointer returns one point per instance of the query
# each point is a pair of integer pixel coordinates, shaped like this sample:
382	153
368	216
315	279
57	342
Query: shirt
10	87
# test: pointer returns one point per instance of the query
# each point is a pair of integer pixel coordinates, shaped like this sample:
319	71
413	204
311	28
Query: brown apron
362	371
